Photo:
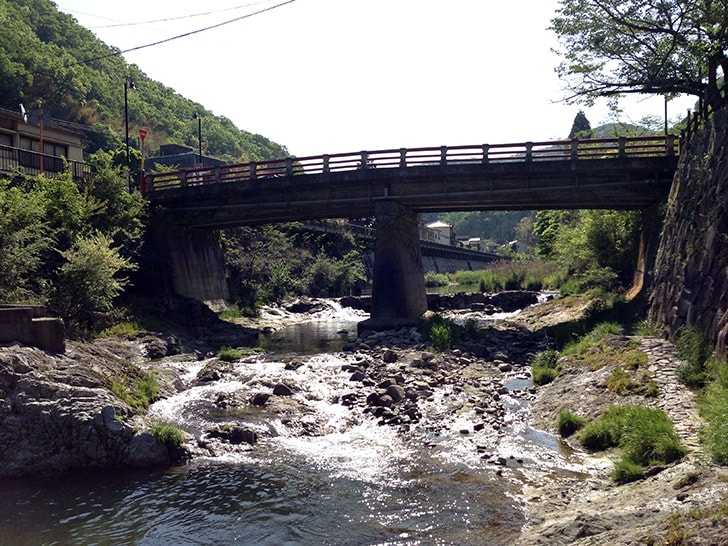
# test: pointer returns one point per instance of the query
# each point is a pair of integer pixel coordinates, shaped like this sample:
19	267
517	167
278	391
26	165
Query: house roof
438	224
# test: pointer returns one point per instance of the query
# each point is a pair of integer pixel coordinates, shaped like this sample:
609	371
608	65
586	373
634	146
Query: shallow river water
351	482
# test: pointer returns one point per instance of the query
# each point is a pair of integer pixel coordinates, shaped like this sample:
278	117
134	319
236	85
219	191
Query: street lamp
128	84
198	117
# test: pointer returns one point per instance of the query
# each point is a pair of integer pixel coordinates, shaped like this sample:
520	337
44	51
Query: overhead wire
184	35
181	17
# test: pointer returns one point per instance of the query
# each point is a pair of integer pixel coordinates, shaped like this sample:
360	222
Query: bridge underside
627	183
396	196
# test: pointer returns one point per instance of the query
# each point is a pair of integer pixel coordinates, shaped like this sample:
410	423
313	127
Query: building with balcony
30	147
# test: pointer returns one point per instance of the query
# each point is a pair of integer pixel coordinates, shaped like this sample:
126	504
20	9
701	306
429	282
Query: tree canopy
667	47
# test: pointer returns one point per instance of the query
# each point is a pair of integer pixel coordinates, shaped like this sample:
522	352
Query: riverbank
475	401
683	503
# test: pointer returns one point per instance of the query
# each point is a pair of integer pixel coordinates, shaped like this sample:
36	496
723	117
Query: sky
329	76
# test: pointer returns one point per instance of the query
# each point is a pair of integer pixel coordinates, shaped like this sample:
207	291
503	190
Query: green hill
45	55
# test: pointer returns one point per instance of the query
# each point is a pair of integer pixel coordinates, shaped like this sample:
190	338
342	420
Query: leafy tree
589	239
88	280
25	238
581	128
613	47
114	211
498	226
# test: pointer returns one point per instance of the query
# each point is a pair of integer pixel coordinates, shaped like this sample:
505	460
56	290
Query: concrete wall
27	324
690	285
197	265
440	264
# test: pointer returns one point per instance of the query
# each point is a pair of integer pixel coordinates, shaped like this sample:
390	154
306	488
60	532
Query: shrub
239	310
442	333
621	382
168	435
598	334
568	423
646	328
436	279
512	275
543	376
600	435
88	281
598	279
442	337
544	367
635	358
625	471
126	329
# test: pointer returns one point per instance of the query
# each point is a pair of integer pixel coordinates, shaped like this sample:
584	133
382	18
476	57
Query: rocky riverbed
59	413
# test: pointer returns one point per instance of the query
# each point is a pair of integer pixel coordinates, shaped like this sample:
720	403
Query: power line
168	19
186	34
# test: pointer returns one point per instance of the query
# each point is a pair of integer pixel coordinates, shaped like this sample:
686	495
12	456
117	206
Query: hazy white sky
328	76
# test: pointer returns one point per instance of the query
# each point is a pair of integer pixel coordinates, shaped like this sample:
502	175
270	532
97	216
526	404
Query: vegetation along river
322	471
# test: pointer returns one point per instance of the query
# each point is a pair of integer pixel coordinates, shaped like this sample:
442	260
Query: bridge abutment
398	289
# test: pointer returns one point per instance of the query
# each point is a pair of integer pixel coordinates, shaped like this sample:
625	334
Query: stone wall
690	283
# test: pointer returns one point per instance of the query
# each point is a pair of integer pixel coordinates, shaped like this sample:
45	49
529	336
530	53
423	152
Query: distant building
441	233
180	157
20	145
473	243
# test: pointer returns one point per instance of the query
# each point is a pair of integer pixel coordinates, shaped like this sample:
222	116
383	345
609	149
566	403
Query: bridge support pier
398	290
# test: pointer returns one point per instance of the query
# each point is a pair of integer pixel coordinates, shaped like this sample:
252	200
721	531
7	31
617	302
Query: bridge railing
606	148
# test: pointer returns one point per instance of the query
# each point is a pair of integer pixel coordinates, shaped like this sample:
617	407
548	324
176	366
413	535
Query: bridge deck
607	173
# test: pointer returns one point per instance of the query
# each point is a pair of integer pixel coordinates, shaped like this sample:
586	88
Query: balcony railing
17	160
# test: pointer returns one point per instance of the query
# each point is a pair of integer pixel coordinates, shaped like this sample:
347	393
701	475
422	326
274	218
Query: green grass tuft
138	393
544	367
645	435
167	434
229	354
714	408
568	423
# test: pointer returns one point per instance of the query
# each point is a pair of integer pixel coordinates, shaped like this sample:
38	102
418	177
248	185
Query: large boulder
57	413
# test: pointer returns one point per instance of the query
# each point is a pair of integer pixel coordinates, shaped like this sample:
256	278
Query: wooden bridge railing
623	147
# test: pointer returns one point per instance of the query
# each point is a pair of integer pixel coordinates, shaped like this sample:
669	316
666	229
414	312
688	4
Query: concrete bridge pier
398	290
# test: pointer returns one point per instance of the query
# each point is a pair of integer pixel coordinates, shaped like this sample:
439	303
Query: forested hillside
46	56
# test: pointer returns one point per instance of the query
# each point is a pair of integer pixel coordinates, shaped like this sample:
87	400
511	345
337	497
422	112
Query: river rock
396	393
260	398
389	356
235	435
213	371
146	451
282	389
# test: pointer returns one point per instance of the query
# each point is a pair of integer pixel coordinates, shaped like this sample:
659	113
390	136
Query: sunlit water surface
355	483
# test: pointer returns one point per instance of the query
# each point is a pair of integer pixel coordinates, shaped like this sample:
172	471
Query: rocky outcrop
690	284
57	413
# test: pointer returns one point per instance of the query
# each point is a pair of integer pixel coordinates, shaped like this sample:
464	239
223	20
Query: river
322	474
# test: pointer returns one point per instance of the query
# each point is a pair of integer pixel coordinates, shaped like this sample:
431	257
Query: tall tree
581	126
613	47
